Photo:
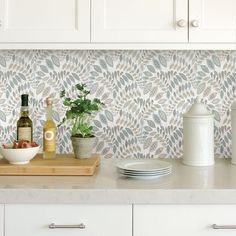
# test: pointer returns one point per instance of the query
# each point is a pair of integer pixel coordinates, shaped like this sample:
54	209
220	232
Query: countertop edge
114	196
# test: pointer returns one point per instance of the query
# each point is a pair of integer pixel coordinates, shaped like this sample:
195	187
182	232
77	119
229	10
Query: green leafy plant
79	110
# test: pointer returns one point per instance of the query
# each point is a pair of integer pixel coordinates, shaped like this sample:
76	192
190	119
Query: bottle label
24	133
49	139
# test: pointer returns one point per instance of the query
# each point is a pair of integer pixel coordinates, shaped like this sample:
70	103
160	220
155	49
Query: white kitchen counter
186	185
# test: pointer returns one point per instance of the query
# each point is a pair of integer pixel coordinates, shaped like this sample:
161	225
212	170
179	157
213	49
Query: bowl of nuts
19	152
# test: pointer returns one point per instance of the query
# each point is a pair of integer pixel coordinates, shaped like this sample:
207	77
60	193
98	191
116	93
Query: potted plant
78	114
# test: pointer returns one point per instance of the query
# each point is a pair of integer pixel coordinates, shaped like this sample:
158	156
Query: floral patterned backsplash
145	92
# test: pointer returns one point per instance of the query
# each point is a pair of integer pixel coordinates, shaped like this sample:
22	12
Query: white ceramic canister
233	130
198	140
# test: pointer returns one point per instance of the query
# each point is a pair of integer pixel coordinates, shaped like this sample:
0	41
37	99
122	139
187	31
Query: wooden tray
62	165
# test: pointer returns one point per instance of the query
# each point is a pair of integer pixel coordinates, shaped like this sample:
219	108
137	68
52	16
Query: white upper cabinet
212	21
44	21
139	21
118	24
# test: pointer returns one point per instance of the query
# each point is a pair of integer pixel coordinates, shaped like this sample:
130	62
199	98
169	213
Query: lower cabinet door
184	220
1	220
68	220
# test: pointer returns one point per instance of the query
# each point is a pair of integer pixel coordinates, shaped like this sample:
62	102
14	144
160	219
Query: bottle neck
49	112
24	111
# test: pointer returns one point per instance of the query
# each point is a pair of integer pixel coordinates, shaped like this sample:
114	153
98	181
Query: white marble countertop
186	185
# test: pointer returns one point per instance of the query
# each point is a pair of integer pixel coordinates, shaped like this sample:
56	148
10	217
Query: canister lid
198	109
233	107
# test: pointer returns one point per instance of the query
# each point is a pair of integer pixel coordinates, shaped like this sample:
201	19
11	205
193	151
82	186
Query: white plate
143	173
166	169
144	176
129	168
163	173
143	165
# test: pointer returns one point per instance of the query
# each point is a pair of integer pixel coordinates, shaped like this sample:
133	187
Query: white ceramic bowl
19	156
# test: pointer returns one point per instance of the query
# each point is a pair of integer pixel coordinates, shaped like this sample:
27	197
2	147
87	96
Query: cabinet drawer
1	220
99	220
184	220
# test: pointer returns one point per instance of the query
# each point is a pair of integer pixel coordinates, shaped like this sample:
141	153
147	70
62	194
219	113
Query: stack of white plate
144	169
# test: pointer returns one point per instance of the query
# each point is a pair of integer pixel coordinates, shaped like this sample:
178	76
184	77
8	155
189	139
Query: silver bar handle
54	226
215	226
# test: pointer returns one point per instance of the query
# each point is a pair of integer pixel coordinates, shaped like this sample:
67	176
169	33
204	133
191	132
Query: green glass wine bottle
24	124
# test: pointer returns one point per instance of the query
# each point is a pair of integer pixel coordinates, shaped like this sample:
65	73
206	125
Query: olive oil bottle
49	133
24	124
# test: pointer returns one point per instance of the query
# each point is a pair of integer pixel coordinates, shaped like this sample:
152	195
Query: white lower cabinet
68	220
184	220
1	220
117	220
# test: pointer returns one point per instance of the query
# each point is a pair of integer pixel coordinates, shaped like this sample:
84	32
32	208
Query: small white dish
143	165
147	174
19	156
144	176
143	173
144	169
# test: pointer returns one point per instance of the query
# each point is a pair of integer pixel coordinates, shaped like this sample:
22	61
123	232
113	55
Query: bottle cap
49	101
24	100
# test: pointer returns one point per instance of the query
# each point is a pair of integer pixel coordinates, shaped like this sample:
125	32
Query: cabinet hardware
215	226
54	226
195	23
181	23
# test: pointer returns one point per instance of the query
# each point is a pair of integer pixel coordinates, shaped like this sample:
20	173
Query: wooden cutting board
66	165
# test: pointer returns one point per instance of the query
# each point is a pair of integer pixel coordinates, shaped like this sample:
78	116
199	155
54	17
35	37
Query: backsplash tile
145	92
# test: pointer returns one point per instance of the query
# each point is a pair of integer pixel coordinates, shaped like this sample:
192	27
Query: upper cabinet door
139	21
212	21
44	21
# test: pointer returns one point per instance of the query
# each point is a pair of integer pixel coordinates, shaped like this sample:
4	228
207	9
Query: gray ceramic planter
83	147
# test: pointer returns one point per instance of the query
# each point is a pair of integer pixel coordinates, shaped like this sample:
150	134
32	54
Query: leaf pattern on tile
145	92
114	77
